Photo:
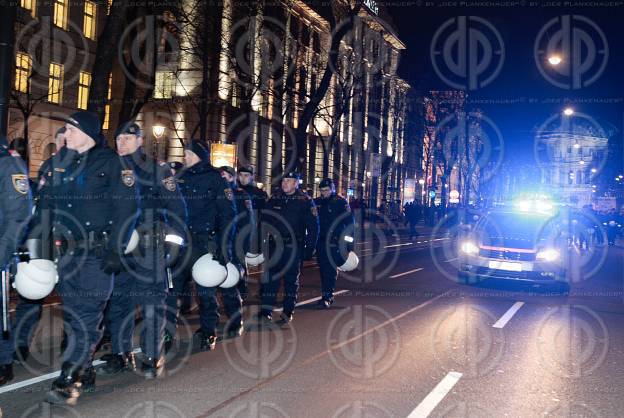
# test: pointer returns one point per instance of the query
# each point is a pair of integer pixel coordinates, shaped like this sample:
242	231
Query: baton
169	278
5	303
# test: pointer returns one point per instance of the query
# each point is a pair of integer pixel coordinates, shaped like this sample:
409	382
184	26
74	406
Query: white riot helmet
132	243
350	263
254	259
233	276
208	272
36	279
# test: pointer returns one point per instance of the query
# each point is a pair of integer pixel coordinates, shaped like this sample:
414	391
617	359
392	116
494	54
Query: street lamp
158	131
593	170
421	182
554	60
582	162
568	111
317	179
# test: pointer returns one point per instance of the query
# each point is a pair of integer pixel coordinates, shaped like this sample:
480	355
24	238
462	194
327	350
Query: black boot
6	373
153	367
286	317
235	329
116	363
264	318
65	388
167	341
207	342
88	380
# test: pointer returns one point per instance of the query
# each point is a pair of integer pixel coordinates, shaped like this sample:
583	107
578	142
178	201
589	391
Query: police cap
326	183
246	169
292	175
130	128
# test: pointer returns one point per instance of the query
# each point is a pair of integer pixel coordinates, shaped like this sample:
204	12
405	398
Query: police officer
291	224
92	201
143	281
336	228
15	212
28	312
258	197
245	225
211	227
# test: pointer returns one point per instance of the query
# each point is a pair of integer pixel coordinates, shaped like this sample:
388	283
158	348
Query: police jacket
245	218
160	200
258	197
14	204
90	197
294	217
335	218
210	203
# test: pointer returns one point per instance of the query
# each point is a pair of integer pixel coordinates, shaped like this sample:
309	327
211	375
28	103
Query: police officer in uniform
336	225
92	199
28	312
246	227
15	211
290	225
258	198
143	280
211	227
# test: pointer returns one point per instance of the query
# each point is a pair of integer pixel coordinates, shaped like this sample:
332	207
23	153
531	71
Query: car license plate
505	265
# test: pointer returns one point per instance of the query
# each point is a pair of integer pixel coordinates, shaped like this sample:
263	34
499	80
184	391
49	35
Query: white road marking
450	260
508	315
407	272
305	302
398	245
44	377
435	396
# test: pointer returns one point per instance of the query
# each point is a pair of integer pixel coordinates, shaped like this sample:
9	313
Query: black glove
111	263
172	252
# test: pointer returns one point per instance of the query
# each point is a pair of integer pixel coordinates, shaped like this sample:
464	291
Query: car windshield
515	230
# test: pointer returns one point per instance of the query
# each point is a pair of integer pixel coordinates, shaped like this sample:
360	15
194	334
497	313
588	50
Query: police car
522	241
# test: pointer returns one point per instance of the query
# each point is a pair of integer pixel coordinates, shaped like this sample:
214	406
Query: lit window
29	5
83	90
164	85
90	11
109	3
60	13
23	69
107	108
55	83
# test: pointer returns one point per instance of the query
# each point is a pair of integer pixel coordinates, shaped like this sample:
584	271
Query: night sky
519	98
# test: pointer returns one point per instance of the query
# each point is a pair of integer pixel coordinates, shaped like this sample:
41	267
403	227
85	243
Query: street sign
375	164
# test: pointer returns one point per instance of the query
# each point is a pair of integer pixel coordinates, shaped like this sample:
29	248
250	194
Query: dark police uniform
28	312
143	281
15	211
92	202
336	223
258	202
211	227
290	224
246	228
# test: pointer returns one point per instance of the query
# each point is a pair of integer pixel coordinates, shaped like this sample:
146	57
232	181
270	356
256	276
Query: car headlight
469	247
549	254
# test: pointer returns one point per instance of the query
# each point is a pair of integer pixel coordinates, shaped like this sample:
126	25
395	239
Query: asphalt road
403	340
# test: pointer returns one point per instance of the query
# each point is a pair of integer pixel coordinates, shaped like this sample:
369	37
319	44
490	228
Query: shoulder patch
20	183
170	184
127	177
229	194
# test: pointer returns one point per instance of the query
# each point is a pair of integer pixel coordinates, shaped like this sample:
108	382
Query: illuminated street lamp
568	111
555	60
421	182
158	131
582	162
593	170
